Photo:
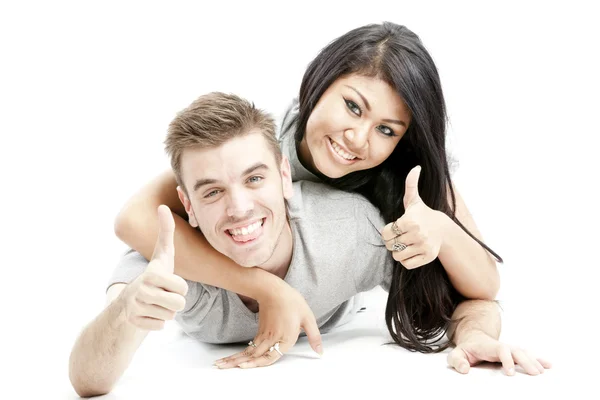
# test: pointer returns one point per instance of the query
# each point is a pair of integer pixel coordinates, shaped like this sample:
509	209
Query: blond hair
212	120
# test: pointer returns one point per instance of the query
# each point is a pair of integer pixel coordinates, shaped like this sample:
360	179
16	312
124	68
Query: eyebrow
391	121
258	165
202	182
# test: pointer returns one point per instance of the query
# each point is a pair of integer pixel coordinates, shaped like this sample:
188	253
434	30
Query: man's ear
187	204
286	178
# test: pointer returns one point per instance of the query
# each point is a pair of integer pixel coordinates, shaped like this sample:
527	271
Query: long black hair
421	301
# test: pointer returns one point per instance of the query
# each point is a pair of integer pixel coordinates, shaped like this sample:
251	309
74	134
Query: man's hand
281	317
157	294
478	347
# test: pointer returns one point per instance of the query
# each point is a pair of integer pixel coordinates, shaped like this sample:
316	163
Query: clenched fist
158	294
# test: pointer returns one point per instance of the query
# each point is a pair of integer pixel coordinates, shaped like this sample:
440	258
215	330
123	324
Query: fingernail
511	371
220	362
243	365
320	350
462	368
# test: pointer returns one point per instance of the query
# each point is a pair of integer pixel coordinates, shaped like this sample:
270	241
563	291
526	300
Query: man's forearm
103	351
474	316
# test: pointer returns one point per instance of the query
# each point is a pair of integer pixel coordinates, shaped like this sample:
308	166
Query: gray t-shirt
337	253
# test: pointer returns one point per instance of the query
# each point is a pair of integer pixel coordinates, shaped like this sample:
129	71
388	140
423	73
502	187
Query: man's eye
212	193
255	179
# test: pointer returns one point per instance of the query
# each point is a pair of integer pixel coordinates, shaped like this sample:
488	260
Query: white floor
356	364
88	91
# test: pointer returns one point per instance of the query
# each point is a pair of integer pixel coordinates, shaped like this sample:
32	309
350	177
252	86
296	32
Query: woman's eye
386	130
352	106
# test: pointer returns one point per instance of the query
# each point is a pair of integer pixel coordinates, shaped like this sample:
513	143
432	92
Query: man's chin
245	262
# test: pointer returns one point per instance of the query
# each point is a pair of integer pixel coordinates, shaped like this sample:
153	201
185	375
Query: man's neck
279	263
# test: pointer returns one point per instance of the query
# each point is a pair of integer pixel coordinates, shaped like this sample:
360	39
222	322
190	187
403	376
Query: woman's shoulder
287	121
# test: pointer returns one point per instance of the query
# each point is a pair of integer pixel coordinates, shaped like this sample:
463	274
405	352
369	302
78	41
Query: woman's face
355	125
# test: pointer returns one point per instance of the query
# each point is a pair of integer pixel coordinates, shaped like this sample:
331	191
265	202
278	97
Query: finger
535	362
153	295
521	358
245	354
263	344
267	358
233	362
399	239
388	232
506	358
405	225
411	194
416	261
149	324
408	239
169	282
164	249
546	364
457	359
156	312
407	253
312	333
266	345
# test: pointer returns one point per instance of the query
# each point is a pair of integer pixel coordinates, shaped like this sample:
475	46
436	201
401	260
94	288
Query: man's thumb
164	250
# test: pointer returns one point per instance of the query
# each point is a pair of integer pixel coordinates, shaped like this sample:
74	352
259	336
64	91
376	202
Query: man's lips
246	232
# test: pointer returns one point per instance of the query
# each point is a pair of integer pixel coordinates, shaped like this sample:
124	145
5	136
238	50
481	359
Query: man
234	183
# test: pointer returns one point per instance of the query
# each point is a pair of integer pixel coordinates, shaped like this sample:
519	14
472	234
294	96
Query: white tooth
251	228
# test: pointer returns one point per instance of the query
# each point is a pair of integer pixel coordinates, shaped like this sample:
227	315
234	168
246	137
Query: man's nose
239	203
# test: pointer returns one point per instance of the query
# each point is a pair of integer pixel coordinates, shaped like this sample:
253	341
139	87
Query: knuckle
184	286
248	352
179	303
150	277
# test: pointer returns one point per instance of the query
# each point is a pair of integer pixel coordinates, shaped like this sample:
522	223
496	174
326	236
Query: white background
88	89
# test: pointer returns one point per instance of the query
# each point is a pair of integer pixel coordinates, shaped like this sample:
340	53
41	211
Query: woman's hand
479	347
282	314
415	238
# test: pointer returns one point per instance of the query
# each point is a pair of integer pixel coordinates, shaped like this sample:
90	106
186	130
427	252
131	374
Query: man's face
237	197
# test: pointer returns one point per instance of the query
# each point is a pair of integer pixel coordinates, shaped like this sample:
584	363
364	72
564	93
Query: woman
370	110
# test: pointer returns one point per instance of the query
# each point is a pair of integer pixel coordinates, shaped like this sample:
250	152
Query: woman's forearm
470	267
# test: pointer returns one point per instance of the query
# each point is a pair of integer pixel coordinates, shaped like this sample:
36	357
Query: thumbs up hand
415	238
157	294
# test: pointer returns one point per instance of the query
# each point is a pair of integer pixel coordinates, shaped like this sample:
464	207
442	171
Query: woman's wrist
265	285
